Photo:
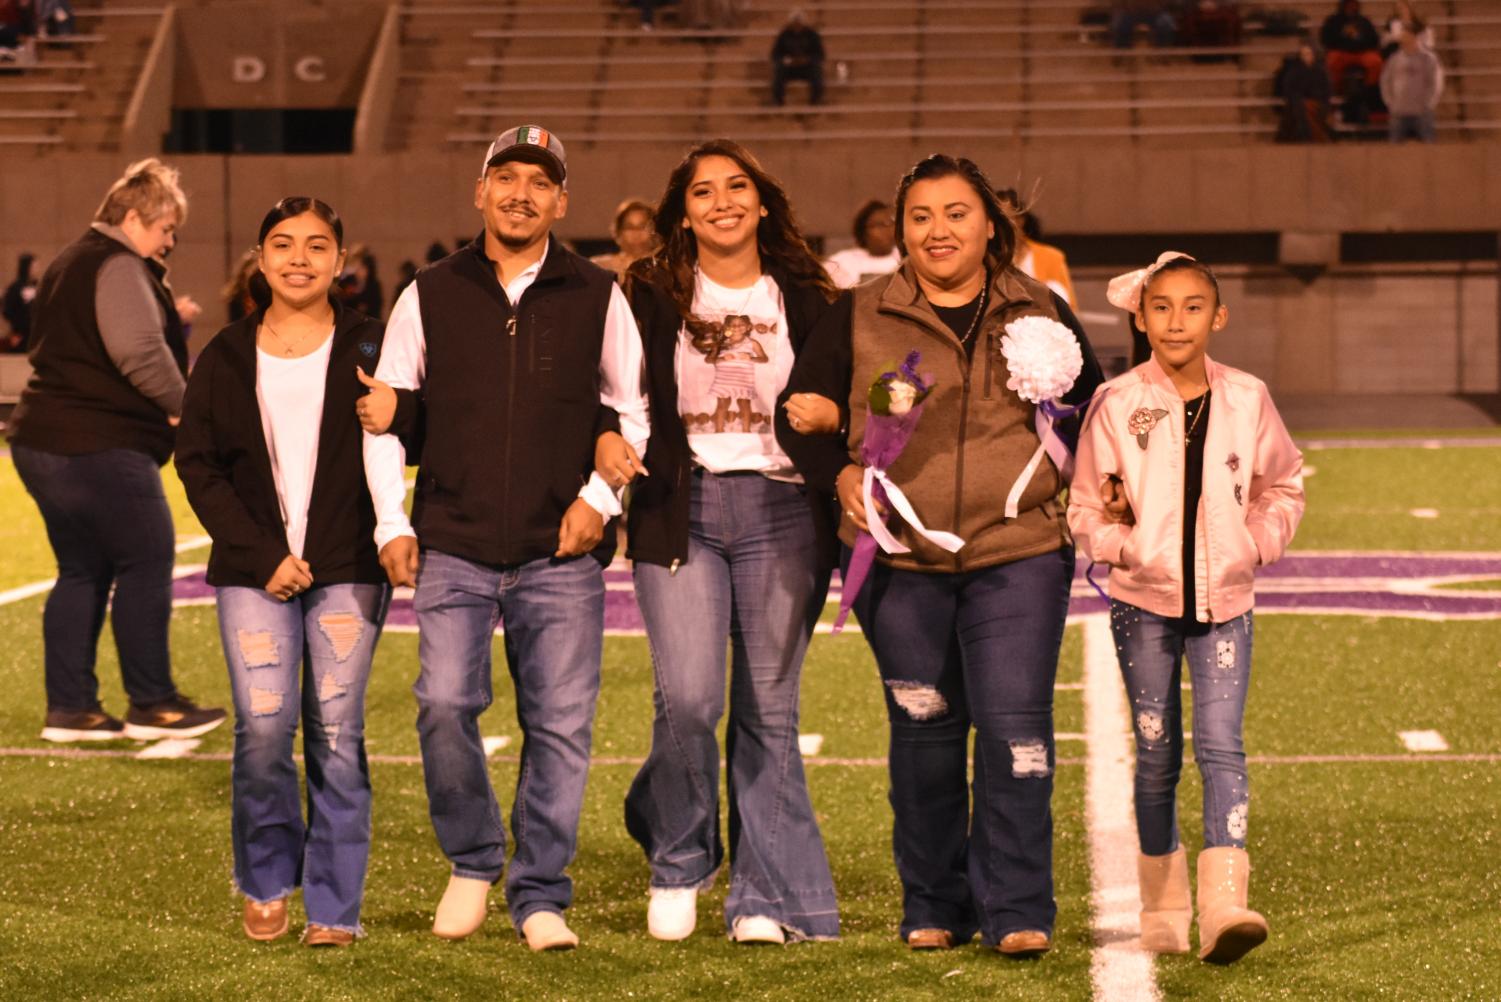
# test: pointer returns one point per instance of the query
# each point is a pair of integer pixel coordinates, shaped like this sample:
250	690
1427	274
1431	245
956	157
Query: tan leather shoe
266	922
322	935
1025	943
548	931
930	939
462	910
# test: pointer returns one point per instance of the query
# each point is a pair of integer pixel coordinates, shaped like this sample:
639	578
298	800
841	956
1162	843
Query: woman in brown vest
967	639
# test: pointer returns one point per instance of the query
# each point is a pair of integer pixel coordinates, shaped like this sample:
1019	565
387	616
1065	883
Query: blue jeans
1151	650
109	525
977	649
554	638
322	641
1419	127
751	580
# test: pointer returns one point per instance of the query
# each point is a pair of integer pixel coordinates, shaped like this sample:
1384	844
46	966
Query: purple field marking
1391	584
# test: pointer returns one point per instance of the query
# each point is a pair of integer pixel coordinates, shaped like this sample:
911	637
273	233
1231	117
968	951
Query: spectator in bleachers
1210	24
435	252
17	28
1126	15
239	292
631	228
1350	40
875	252
797	54
1303	84
1034	258
1411	85
1403	15
359	286
55	17
17	305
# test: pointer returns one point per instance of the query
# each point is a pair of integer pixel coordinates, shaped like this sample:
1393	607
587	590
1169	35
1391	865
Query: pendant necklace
289	347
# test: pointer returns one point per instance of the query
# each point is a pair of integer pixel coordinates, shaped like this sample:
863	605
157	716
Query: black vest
77	401
511	401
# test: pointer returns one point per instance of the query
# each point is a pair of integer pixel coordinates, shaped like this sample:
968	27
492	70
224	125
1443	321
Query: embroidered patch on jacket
1233	462
1142	421
367	349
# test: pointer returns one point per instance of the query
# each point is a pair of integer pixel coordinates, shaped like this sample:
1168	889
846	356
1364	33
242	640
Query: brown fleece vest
975	435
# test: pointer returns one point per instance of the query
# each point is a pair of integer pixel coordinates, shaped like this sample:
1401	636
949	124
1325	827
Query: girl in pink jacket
1186	481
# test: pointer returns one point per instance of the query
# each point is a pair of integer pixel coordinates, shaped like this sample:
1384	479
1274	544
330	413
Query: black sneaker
178	717
67	726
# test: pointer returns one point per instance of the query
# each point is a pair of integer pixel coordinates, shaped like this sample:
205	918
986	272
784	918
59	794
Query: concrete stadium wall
1434	331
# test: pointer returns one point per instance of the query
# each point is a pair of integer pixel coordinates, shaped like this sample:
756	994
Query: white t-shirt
290	394
729	379
849	268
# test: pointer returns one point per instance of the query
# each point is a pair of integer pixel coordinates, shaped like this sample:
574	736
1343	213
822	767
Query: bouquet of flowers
1043	358
895	404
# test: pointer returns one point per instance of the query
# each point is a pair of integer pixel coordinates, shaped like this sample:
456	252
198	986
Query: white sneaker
758	929
673	912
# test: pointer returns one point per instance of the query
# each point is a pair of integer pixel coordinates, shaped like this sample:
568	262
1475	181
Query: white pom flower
1043	358
903	396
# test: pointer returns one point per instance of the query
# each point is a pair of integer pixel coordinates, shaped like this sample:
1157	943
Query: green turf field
1379	871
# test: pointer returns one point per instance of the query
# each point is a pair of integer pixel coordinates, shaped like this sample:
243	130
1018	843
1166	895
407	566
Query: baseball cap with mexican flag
530	144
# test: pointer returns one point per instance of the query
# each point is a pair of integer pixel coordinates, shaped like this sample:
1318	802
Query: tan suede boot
1166	907
1228	930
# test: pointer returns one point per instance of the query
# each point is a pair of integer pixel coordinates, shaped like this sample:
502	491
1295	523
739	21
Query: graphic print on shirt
718	389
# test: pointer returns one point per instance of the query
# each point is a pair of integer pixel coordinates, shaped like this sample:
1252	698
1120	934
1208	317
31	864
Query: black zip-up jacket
225	465
658	516
509	409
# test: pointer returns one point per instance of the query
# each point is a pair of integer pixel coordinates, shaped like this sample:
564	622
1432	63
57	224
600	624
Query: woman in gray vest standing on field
965	633
89	436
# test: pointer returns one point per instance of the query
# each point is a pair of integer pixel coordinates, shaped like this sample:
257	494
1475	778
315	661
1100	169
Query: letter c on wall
309	69
248	70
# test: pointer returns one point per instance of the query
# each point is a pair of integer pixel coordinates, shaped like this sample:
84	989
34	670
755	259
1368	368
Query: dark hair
999	249
435	252
862	218
777	237
23	267
296	205
1184	264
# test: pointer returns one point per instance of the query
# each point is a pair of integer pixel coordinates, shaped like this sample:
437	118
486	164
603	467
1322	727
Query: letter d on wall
248	70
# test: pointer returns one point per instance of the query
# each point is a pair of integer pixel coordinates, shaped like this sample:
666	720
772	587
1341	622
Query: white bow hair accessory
1125	290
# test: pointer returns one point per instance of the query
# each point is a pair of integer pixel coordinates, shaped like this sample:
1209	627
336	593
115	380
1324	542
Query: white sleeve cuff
601	497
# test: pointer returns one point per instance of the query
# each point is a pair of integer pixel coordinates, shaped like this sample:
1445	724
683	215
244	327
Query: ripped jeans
1151	649
305	660
976	649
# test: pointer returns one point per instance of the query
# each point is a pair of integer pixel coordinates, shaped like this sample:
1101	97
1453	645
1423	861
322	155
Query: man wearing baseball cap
507	358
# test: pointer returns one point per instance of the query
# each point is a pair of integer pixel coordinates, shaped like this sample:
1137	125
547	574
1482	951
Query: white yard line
1423	741
1120	969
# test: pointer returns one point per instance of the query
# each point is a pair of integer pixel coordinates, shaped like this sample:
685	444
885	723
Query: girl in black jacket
269	451
727	550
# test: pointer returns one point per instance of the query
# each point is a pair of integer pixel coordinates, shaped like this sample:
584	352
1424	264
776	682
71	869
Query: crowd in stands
22	22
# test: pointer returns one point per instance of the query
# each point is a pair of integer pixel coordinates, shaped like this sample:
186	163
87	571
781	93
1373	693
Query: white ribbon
1013	500
883	537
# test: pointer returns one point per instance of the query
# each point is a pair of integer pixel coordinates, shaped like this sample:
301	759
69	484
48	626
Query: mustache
525	207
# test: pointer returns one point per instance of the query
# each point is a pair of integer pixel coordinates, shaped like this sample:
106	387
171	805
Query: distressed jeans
304	660
554	638
751	582
975	649
1151	650
109	525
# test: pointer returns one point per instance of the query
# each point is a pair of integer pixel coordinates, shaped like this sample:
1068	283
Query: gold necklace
288	345
974	324
1203	406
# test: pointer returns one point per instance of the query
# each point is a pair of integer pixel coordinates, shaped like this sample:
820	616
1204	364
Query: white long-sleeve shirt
403	366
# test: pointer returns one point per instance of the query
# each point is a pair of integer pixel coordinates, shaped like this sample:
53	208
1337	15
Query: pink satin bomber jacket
1251	504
